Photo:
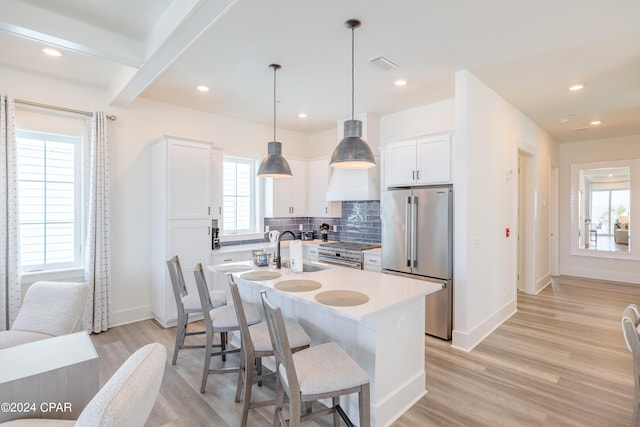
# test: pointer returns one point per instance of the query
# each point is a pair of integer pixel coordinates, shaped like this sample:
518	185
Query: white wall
623	148
423	120
489	133
136	125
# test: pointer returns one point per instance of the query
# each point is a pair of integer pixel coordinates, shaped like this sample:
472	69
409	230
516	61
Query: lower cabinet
190	240
219	280
372	260
310	252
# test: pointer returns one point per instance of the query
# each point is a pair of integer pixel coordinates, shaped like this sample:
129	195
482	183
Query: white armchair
126	400
49	309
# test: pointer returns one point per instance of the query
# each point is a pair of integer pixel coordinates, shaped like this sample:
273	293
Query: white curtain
9	225
98	243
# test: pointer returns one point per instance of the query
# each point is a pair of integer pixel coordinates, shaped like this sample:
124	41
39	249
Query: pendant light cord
353	91
274	102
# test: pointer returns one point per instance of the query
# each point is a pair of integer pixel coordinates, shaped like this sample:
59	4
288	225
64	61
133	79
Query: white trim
131	315
467	341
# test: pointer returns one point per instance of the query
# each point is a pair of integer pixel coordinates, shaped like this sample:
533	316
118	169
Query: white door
189	180
433	160
400	163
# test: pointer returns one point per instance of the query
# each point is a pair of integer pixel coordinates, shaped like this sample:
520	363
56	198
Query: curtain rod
68	110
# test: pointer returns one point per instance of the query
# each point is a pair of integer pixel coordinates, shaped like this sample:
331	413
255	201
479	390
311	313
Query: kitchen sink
309	268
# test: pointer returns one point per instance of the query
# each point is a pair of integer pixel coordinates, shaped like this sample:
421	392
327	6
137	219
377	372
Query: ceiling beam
55	30
180	26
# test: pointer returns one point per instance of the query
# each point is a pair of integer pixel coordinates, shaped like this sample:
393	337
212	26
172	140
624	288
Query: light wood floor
559	361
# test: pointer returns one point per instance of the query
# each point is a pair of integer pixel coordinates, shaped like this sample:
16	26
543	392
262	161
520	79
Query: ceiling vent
384	62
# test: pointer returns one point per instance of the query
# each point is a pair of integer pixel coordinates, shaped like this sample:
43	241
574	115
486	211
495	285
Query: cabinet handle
227	260
209	210
413	174
208	231
219	210
326	209
417	174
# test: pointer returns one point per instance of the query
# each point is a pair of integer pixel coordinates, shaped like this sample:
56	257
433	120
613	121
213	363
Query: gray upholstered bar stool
256	344
630	323
220	320
187	304
319	372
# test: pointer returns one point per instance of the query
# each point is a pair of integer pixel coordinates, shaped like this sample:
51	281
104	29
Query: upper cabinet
420	161
188	179
216	190
286	197
318	174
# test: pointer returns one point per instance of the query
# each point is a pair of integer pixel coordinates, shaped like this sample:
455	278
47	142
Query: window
607	206
239	196
50	201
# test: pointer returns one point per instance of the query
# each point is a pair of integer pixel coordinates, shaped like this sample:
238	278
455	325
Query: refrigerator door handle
407	231
414	232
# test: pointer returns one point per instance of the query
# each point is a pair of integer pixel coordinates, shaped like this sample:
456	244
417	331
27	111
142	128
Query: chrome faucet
277	260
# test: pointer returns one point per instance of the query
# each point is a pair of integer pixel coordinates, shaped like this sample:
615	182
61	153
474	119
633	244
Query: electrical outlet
266	228
300	227
335	228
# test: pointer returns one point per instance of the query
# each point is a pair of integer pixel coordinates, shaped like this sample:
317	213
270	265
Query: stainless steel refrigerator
417	240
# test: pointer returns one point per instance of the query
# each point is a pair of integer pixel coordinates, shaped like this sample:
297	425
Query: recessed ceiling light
596	122
564	120
400	82
577	86
51	52
203	88
302	115
581	129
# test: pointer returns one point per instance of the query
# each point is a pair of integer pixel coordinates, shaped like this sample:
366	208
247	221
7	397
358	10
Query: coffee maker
215	234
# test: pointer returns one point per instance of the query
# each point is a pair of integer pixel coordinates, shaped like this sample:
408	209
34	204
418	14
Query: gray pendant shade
274	165
353	152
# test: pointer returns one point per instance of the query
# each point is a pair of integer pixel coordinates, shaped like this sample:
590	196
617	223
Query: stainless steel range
346	254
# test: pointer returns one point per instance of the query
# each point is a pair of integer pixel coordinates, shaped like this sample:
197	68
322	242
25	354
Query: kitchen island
385	334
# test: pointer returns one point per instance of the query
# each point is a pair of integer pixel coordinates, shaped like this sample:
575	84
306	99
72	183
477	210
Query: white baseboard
542	283
599	274
130	315
467	341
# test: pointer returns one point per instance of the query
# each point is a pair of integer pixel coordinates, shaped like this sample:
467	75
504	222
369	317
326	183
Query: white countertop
384	290
261	245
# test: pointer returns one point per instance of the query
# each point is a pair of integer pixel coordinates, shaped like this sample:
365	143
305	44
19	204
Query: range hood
354	184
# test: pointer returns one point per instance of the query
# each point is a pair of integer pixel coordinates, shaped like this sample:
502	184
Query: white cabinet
286	197
372	260
216	190
219	281
310	252
420	161
184	179
318	175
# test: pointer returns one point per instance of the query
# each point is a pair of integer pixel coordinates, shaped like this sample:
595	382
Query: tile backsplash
360	222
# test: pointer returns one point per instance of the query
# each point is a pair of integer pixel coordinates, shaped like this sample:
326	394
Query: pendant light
274	165
352	152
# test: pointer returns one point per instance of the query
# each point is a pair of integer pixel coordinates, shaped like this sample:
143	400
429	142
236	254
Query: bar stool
630	322
220	320
256	344
187	304
318	372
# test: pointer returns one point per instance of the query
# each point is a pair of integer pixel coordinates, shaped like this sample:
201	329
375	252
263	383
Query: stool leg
277	413
181	329
248	383
207	361
365	411
336	414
